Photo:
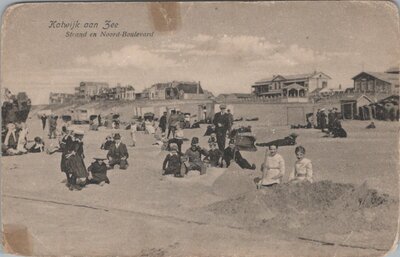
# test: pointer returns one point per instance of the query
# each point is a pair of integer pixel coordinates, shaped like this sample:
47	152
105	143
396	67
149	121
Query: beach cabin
351	106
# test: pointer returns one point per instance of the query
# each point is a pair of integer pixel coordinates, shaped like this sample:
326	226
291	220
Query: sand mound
321	207
234	181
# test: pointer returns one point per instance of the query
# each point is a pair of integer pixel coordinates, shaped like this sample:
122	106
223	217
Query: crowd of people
178	162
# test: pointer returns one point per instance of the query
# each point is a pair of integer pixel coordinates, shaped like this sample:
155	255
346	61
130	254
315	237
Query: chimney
198	88
340	86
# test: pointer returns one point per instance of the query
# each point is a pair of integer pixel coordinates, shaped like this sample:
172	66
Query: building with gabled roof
177	90
376	82
290	86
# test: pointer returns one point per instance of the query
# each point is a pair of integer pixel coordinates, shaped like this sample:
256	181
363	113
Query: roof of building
294	86
93	83
189	87
290	77
391	78
242	95
355	97
394	69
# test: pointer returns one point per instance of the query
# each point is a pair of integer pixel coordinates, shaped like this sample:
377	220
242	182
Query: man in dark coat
221	123
98	169
163	122
231	153
43	118
118	153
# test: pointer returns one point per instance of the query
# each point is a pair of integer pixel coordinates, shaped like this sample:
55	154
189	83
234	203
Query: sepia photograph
200	129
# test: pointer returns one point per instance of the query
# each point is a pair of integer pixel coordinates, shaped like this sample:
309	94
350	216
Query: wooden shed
350	106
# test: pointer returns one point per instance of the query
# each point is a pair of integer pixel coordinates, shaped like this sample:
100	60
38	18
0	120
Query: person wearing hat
231	153
163	122
212	138
74	163
108	143
172	162
118	153
194	155
221	123
273	168
66	138
98	170
214	155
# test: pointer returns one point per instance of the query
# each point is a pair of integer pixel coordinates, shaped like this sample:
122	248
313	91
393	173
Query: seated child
107	144
194	157
98	170
38	146
172	162
302	167
213	138
214	155
231	153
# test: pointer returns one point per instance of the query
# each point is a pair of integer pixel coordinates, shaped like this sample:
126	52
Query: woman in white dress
273	168
302	170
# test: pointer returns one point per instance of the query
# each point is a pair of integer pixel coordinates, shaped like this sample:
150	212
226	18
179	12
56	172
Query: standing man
221	122
118	153
173	122
43	118
163	122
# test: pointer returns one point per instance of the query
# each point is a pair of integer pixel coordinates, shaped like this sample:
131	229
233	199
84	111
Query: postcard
200	128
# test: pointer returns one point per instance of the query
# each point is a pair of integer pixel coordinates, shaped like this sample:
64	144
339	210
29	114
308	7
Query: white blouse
276	166
302	171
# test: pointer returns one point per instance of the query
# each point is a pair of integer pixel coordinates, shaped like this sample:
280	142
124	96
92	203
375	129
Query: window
324	84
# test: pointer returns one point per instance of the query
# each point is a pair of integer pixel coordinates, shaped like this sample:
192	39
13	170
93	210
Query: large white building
290	86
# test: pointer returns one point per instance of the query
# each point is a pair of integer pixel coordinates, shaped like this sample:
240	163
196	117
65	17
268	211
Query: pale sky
226	46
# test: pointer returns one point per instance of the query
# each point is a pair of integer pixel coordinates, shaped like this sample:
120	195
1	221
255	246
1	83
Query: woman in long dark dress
74	161
66	145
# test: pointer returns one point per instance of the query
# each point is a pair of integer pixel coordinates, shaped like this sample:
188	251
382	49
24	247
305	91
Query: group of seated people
198	158
273	168
15	142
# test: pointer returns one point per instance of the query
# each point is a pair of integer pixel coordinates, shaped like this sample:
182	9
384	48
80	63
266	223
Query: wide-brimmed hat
117	136
195	141
222	106
294	135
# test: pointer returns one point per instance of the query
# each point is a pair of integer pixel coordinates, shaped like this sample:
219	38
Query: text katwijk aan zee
106	29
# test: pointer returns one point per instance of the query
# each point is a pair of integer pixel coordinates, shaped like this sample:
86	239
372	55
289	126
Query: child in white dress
302	170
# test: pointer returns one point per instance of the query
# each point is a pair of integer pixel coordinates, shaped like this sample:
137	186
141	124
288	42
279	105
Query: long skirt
76	166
